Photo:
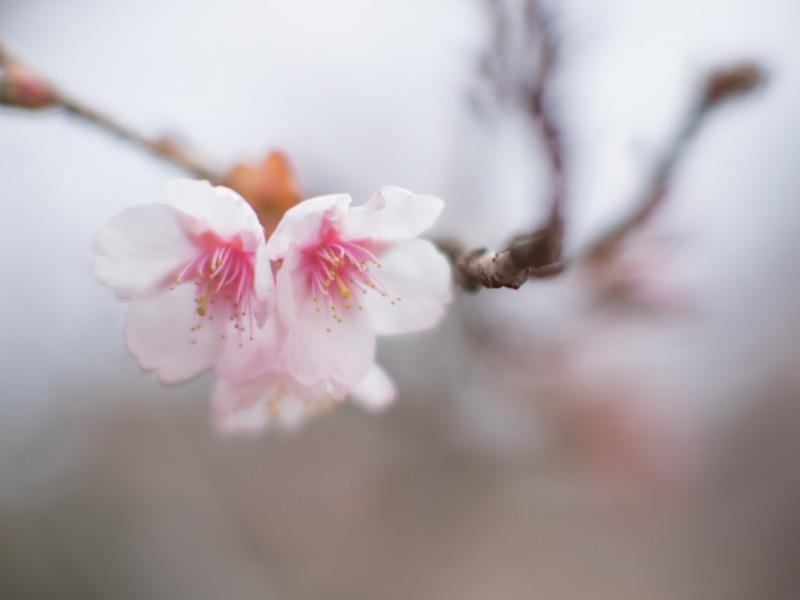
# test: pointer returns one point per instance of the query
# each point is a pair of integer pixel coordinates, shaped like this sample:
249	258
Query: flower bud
21	87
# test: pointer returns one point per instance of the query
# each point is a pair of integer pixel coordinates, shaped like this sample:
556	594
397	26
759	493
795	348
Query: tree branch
539	252
533	255
22	87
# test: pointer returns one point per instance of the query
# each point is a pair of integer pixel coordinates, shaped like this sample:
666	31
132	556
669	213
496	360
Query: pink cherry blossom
275	398
201	283
351	273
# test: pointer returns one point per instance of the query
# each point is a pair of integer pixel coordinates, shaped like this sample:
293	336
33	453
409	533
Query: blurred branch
532	255
523	72
541	31
718	87
22	87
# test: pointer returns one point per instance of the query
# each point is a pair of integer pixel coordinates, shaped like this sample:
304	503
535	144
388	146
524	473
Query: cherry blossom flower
197	271
351	273
276	398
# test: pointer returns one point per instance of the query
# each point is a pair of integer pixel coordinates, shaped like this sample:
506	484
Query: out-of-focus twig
719	87
22	87
526	255
521	66
542	32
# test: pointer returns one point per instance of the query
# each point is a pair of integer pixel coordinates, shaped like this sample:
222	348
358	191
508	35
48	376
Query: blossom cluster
287	321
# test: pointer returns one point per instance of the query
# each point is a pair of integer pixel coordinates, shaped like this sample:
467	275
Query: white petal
376	391
343	356
142	248
325	391
391	214
239	408
245	408
417	273
159	335
241	358
302	224
218	209
263	286
292	412
292	289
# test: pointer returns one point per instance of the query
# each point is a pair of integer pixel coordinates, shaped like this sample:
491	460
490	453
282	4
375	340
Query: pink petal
142	248
254	357
391	214
325	391
301	225
343	356
417	273
217	209
292	290
239	408
376	391
160	338
264	286
245	408
292	412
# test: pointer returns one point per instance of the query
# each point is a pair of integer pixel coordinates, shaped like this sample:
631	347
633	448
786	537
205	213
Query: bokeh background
623	433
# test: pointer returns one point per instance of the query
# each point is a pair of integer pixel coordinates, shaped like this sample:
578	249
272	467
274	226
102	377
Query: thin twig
22	87
540	252
541	31
719	87
160	147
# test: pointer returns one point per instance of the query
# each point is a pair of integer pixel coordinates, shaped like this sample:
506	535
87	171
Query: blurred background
624	432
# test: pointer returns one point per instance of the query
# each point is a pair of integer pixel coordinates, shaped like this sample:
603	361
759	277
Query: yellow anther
342	287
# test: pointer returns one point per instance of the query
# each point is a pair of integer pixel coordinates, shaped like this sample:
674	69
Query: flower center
224	276
340	272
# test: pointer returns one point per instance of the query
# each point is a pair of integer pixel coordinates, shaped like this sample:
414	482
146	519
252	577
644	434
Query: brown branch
538	253
22	87
719	87
533	255
541	31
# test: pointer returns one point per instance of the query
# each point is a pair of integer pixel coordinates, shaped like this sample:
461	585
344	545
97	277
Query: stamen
342	287
224	275
348	265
